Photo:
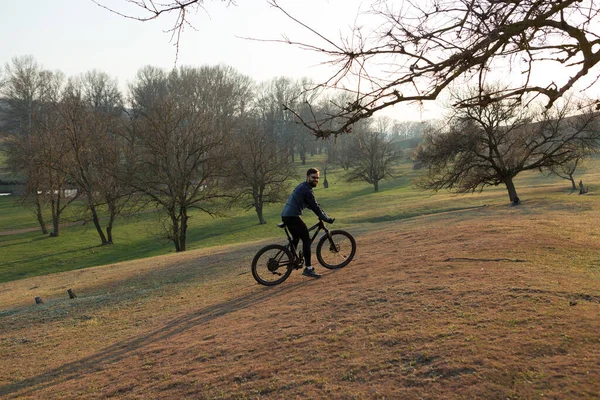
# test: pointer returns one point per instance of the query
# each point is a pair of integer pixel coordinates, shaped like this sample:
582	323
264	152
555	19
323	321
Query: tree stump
71	294
582	189
38	300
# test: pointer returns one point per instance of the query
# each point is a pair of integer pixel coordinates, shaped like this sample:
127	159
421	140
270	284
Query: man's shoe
310	273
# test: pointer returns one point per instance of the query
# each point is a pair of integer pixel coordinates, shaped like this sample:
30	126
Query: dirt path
19	231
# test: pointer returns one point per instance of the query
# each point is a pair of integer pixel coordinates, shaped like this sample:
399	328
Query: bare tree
51	159
261	167
489	145
305	142
339	147
270	100
183	120
575	162
374	156
34	145
407	129
91	109
342	151
22	89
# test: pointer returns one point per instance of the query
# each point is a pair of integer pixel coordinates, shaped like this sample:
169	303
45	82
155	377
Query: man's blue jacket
302	197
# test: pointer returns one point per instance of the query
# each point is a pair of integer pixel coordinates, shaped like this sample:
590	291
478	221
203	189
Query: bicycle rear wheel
336	250
272	265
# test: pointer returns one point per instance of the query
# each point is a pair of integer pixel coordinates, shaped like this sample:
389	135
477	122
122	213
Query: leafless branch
151	10
414	50
433	44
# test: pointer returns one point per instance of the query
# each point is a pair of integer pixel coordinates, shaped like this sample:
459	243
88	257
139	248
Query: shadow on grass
119	351
15	243
29	239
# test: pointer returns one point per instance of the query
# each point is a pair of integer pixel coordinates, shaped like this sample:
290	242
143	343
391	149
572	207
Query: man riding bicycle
303	197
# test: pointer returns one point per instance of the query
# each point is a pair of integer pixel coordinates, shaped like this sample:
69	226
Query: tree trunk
40	216
259	212
180	229
303	156
109	238
55	205
55	227
109	225
112	215
174	235
96	221
183	235
512	191
376	186
573	185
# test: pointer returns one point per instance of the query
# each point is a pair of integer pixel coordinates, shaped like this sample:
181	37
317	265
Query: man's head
312	177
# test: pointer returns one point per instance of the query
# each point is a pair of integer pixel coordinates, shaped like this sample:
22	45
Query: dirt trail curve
18	231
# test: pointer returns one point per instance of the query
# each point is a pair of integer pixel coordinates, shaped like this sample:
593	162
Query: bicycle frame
316	227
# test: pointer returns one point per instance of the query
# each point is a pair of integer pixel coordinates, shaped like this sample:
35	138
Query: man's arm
311	203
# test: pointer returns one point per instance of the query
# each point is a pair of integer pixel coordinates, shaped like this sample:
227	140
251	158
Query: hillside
493	302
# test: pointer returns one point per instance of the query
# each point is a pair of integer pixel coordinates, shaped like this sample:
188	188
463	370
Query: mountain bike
274	263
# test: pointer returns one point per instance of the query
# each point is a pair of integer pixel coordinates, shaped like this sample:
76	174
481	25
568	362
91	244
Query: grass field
31	253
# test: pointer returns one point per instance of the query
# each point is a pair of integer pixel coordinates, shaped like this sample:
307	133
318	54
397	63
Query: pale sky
75	36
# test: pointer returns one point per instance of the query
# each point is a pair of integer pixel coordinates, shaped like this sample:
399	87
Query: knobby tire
336	250
273	255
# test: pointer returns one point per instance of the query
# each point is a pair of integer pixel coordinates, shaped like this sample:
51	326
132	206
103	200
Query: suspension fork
332	246
327	233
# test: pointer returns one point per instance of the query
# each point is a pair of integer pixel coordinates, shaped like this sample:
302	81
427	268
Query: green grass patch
30	254
14	215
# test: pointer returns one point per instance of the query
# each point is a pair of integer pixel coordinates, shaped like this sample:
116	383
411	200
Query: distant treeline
191	138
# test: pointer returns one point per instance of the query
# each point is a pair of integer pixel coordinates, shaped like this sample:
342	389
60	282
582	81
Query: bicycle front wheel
336	250
272	265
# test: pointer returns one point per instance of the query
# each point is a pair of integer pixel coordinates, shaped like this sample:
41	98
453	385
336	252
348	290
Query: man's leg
292	225
298	229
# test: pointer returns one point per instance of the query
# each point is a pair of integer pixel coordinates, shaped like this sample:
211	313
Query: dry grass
497	302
